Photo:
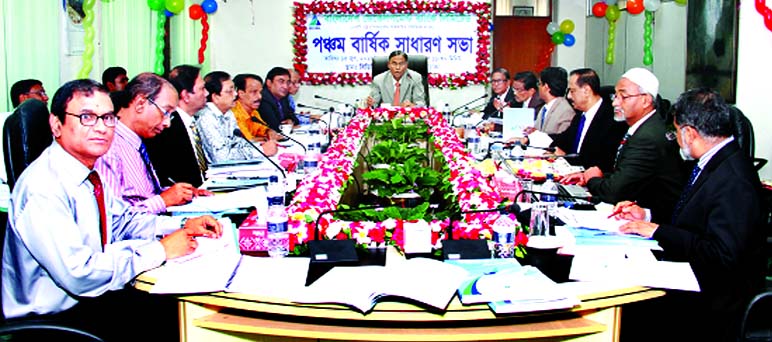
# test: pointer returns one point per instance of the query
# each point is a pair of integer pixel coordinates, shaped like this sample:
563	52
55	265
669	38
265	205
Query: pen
619	210
171	180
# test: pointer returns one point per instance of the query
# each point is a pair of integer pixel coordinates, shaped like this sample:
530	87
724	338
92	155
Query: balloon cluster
610	10
88	39
202	12
561	34
167	7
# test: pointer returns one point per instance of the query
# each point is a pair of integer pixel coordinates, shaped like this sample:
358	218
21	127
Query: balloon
680	2
569	40
567	26
160	44
204	38
648	59
610	57
168	14
88	39
175	6
209	6
652	5
599	9
558	38
156	5
195	11
552	27
634	6
612	13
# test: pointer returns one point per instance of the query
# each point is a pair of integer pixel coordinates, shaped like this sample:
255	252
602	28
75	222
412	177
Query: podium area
245	317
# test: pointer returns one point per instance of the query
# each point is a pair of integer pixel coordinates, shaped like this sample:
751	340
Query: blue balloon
209	6
569	40
168	14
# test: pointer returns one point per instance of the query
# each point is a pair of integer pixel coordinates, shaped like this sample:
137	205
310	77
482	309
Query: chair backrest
43	331
25	135
743	131
756	324
417	63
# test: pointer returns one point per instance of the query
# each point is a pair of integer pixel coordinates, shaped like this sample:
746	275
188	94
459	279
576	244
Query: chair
39	331
743	133
756	324
25	135
417	63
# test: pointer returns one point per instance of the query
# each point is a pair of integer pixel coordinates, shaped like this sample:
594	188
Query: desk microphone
471	249
237	132
464	106
333	100
331	109
578	206
279	132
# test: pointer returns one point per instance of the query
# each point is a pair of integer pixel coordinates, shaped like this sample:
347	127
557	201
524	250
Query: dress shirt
588	116
125	173
216	130
250	128
705	158
53	245
634	127
189	120
527	102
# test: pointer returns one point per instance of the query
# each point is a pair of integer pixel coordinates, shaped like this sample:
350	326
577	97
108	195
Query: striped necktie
200	157
621	147
149	168
685	193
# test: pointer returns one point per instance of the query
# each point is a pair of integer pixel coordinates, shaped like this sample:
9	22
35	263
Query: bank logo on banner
314	23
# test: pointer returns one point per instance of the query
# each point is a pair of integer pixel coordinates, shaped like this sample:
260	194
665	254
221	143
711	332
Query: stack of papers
254	197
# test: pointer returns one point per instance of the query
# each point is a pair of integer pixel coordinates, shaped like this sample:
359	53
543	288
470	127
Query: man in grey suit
399	86
556	114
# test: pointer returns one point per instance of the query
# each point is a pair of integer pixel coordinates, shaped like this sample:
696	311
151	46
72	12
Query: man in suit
556	114
502	96
176	153
648	168
593	135
274	107
399	86
525	86
718	224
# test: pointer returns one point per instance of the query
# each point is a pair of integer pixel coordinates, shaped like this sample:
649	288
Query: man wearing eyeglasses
502	96
71	245
399	86
28	89
145	109
647	167
526	92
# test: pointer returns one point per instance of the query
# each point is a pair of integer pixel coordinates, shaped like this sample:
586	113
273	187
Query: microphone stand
333	100
255	120
237	132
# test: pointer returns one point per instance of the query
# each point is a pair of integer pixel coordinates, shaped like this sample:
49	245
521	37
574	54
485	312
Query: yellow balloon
567	26
680	2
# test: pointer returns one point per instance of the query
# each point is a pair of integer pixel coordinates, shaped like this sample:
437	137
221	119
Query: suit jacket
535	103
559	117
269	110
648	171
490	110
599	147
173	156
720	232
411	88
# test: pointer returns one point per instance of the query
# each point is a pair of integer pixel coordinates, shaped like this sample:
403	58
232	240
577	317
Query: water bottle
551	188
314	133
472	140
275	189
446	114
278	236
504	230
311	159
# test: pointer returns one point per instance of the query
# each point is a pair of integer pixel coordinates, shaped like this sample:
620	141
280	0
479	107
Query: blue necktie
685	193
544	113
621	147
579	133
149	168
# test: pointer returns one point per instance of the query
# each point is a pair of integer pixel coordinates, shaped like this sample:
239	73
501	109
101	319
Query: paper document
271	277
515	121
539	139
222	202
592	219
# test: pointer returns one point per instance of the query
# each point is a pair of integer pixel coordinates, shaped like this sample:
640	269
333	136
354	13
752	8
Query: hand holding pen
628	210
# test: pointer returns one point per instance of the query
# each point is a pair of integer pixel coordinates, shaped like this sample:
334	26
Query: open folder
516	120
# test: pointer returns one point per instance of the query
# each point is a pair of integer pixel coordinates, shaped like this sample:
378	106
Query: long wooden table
245	317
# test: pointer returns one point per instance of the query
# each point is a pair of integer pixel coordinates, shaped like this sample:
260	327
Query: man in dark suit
648	168
593	134
502	96
274	106
717	226
173	152
525	84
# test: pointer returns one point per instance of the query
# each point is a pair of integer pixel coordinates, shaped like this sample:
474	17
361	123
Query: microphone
237	132
333	100
465	105
255	120
471	249
588	204
331	109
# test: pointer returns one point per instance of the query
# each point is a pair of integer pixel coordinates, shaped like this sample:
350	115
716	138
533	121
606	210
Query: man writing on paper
144	108
717	226
70	245
399	86
647	167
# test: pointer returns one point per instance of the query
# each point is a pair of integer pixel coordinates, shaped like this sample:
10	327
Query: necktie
579	130
291	101
685	193
395	102
281	110
621	147
543	114
93	177
149	168
200	158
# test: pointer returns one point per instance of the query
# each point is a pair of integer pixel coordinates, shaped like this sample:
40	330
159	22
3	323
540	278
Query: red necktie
395	102
99	194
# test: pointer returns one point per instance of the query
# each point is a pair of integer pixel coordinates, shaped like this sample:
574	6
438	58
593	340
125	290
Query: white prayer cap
644	79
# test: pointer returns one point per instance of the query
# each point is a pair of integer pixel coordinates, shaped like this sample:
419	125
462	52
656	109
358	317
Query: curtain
185	40
128	34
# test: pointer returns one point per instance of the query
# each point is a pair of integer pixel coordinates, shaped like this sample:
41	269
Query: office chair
25	135
417	63
39	331
743	133
756	324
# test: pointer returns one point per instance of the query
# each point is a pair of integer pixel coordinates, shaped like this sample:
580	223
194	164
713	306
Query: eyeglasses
623	97
498	81
90	119
167	113
518	90
39	92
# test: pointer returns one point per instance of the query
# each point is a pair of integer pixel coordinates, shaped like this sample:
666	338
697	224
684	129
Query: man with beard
248	88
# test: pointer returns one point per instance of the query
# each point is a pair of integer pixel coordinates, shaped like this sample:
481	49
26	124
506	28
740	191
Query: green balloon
648	58
156	5
610	58
175	6
680	2
612	13
558	38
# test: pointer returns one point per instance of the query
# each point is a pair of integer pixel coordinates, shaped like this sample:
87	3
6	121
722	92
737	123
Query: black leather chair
417	63
25	135
756	324
743	133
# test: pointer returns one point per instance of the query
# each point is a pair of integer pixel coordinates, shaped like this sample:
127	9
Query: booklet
425	281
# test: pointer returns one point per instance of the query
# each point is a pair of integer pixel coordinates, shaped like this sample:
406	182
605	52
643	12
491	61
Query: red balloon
634	6
599	9
195	11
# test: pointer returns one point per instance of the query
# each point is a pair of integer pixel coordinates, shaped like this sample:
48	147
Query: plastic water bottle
314	133
504	230
446	113
278	236
472	141
551	188
311	159
275	189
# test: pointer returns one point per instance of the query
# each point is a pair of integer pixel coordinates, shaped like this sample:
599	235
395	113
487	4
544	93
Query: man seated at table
251	123
274	106
502	94
556	114
144	109
216	124
647	167
71	245
399	86
526	92
718	225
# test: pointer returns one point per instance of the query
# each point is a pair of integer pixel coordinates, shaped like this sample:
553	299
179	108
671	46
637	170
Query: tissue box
253	236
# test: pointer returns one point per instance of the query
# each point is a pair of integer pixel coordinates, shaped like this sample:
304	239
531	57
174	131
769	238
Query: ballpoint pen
619	209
